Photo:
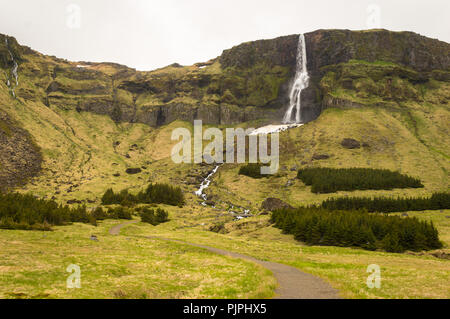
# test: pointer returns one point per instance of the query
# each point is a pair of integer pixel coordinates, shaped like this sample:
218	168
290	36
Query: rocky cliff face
20	158
329	47
413	57
370	64
248	82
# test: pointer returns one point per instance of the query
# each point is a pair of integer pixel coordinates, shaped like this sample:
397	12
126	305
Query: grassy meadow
33	265
406	275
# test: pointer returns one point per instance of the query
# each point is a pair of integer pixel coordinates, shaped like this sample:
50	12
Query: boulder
132	171
210	203
73	201
271	204
318	157
350	143
441	254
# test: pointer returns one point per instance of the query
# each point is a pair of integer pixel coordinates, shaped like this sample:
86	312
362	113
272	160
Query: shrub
154	217
154	193
109	197
318	226
24	211
161	215
99	214
330	180
162	194
119	213
251	170
148	216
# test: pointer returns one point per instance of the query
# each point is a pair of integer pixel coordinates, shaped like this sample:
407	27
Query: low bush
24	211
119	212
154	193
154	216
251	170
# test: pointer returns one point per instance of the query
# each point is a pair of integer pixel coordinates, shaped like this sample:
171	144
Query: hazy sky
147	34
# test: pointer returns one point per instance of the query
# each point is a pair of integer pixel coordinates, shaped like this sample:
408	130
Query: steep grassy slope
392	140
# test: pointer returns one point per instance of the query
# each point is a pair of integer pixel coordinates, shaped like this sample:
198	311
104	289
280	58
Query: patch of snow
273	128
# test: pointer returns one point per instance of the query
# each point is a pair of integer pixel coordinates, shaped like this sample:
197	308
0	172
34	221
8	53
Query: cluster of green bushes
154	216
251	170
388	205
155	193
330	180
118	212
318	226
24	211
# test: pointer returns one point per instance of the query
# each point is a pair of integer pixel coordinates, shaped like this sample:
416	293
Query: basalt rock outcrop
248	82
329	47
373	67
251	81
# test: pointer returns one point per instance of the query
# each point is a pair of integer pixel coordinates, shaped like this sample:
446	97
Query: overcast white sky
147	34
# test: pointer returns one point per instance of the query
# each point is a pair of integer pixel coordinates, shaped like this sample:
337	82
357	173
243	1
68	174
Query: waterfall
13	71
301	81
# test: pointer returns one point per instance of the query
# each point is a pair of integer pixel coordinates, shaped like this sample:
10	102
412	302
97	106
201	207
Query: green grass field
403	275
33	265
132	266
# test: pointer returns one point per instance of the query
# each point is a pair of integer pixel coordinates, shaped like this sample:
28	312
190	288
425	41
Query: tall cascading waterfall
13	71
301	82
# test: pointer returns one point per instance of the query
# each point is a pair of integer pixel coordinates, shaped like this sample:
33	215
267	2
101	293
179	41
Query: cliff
247	82
93	121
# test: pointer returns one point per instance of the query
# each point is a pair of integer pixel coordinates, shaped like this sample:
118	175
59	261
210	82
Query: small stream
205	184
207	181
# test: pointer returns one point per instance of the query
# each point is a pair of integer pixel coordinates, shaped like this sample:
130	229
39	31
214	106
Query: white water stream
205	184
